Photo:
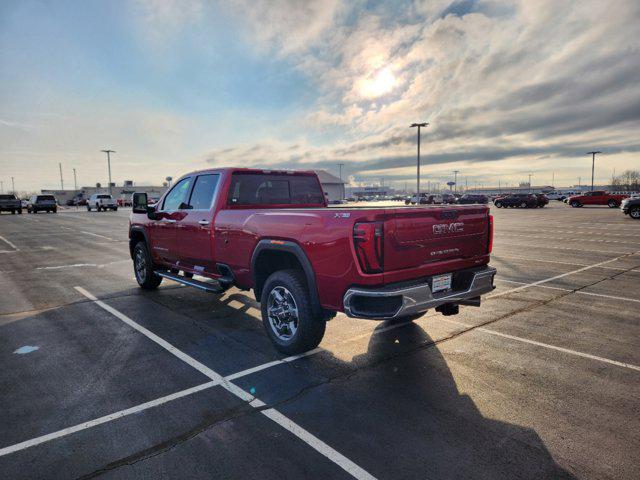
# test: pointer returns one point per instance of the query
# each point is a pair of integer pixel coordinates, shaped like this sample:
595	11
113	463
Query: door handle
203	222
168	220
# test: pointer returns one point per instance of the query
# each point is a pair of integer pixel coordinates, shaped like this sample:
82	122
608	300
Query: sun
378	83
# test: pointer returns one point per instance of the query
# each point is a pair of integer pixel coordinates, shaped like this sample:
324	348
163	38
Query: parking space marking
613	297
16	249
311	440
541	237
96	235
499	257
107	418
544	247
562	275
544	345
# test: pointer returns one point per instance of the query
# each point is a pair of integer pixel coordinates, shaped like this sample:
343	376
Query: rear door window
203	191
273	189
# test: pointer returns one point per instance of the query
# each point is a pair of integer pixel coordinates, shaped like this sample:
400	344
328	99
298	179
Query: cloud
496	80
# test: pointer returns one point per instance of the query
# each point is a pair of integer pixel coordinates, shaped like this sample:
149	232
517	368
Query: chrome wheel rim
635	213
282	313
140	265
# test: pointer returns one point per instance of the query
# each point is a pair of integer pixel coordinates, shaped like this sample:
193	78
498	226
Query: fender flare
297	251
143	232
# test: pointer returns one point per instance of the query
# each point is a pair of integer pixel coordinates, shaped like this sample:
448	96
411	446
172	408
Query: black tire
20	212
634	212
524	205
575	204
498	204
612	204
88	208
13	212
310	326
115	209
143	267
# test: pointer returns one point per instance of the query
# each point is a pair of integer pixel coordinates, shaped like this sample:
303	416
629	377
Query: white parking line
314	442
509	257
96	235
625	299
581	239
10	244
545	345
550	279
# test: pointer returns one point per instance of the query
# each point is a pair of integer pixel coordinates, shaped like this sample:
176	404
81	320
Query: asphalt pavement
101	379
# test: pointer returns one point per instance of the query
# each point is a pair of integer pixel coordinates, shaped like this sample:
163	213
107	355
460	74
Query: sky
509	88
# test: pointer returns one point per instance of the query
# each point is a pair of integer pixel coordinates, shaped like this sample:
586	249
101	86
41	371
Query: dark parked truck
271	231
10	203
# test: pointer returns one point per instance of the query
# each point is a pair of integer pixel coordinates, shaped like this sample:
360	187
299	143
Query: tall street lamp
109	152
593	165
419	125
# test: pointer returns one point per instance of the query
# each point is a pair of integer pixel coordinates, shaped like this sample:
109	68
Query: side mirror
140	203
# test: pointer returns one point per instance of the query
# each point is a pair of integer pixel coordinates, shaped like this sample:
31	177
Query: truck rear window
274	189
7	197
42	198
104	196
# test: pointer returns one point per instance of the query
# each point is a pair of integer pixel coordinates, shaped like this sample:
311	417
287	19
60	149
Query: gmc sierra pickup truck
272	231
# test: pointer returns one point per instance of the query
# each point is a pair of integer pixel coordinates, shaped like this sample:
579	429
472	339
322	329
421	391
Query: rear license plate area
441	283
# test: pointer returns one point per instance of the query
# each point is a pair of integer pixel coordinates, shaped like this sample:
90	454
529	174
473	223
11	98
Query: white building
332	186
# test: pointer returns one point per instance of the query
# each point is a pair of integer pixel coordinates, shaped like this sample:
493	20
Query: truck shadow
401	402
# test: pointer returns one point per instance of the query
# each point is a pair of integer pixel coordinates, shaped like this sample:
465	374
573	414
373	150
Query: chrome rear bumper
399	301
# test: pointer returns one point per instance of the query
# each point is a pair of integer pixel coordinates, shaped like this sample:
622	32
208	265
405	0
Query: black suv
9	203
473	198
631	207
518	200
42	202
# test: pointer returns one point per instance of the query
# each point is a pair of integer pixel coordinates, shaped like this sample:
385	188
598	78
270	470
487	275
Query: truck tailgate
418	236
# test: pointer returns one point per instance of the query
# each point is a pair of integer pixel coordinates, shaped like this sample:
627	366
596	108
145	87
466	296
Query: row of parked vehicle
446	198
48	203
521	200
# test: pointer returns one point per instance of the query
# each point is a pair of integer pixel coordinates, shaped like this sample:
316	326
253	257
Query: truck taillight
490	249
368	239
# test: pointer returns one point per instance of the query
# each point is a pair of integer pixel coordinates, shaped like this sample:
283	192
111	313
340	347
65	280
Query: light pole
75	180
530	183
340	165
61	182
109	152
419	125
1	186
455	180
13	186
593	165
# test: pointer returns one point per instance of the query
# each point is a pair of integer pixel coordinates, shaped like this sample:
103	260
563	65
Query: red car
271	231
597	197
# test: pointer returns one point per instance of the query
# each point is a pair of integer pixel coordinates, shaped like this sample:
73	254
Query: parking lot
101	379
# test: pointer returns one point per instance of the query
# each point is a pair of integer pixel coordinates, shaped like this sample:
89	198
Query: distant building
124	191
332	186
370	191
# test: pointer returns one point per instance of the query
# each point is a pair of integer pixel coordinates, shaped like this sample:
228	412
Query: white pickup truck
101	201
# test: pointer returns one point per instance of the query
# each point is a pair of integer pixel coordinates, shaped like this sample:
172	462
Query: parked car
124	201
631	206
542	200
597	197
426	199
470	198
449	198
517	200
244	227
10	203
39	203
101	201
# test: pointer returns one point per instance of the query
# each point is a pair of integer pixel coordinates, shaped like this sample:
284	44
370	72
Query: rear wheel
287	314
143	267
612	204
498	204
634	212
575	204
88	208
523	205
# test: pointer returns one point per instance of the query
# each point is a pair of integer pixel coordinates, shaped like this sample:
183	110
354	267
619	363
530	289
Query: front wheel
498	204
287	314
575	204
143	267
634	212
523	205
612	204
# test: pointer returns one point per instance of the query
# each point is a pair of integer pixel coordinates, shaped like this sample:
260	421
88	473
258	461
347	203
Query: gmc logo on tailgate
442	228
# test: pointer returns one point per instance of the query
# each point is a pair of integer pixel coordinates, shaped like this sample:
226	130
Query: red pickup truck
272	231
597	197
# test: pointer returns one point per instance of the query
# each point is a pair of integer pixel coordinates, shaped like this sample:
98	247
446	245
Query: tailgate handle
203	222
